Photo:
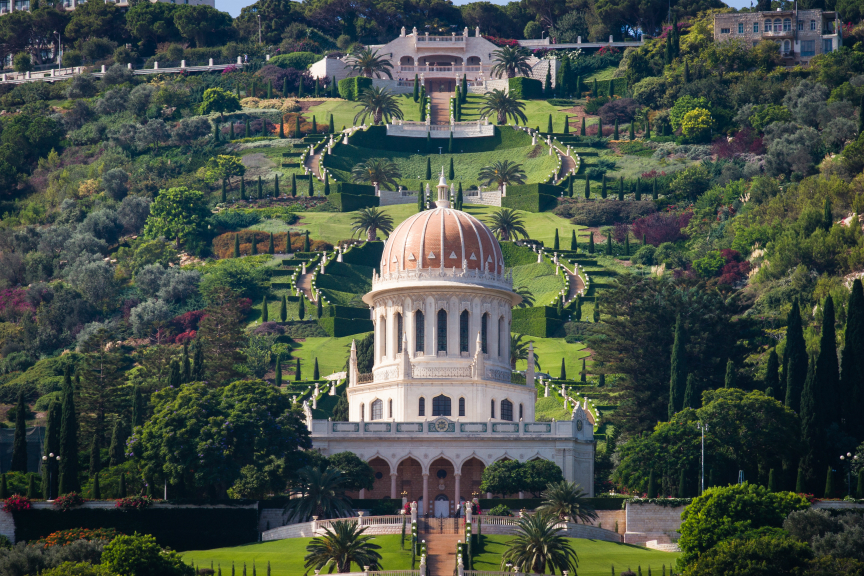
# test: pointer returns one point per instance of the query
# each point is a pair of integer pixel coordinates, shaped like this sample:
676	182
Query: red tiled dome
422	240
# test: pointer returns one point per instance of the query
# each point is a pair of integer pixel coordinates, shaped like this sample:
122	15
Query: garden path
304	284
439	110
313	163
568	164
441	554
577	286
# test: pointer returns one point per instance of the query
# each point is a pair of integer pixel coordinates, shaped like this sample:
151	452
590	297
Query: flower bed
64	537
16	503
68	501
134	502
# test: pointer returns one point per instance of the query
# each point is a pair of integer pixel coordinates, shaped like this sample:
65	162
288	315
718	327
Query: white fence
459	129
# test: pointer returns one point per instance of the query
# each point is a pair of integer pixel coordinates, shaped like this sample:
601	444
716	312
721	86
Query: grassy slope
344	111
596	558
286	556
331	354
551	350
604	74
412	165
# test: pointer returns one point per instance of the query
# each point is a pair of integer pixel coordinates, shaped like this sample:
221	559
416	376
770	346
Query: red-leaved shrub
661	227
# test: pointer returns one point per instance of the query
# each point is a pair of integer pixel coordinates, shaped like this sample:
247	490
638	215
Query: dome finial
443	191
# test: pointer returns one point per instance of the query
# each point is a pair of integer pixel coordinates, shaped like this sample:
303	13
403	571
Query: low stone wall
269	518
652	522
606	519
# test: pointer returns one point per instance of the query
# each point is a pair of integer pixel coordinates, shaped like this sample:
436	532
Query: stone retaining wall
652	522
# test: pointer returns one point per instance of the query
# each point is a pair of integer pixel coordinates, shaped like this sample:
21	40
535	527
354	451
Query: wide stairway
439	111
441	553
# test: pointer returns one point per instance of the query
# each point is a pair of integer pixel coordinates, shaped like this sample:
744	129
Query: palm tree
538	546
527	297
319	493
519	351
506	224
502	172
341	546
503	106
370	220
566	501
379	170
377	103
512	61
369	64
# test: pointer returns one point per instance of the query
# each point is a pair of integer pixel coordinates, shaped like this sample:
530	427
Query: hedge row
523	88
530	202
355	189
181	529
375	138
350	88
352	202
366	254
338	327
336	311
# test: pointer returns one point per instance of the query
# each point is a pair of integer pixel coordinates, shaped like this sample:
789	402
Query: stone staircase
441	554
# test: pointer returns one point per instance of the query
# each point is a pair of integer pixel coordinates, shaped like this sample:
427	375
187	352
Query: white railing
460	129
440	39
447	69
392	520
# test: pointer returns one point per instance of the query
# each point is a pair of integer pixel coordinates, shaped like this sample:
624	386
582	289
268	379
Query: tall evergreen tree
796	364
297	374
615	129
68	438
265	316
582	131
283	309
812	429
116	454
19	445
271	248
587	187
416	88
51	450
315	374
583	374
690	392
591	242
301	307
293	185
260	189
96	491
603	189
731	380
827	370
771	383
277	379
547	83
187	365
772	480
563	370
311	191
621	188
428	168
556	244
574	245
95	459
276	186
678	379
829	483
224	192
852	364
319	307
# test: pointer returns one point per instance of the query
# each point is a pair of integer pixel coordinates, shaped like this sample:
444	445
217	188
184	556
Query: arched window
492	415
463	331
382	321
507	410
419	332
390	408
787	24
362	412
442	331
421	407
500	335
520	412
398	333
778	25
768	27
484	333
461	406
377	410
441	406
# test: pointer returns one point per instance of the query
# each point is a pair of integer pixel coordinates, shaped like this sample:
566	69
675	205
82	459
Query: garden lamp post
49	461
849	458
703	427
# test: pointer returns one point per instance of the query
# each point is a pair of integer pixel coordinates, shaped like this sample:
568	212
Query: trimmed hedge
366	254
187	528
355	189
336	311
338	327
352	202
350	88
533	503
620	87
523	88
541	322
530	202
375	138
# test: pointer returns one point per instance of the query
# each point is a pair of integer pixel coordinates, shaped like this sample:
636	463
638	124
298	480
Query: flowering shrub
135	502
68	501
658	228
502	41
64	537
229	70
16	503
185	337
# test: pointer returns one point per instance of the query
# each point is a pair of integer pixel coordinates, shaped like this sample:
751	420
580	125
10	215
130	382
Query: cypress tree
277	380
300	93
549	129
283	309
231	130
314	125
594	89
459	197
647	133
652	482
686	72
731	378
68	439
331	129
772	480
615	129
254	246
319	307
297	371
137	408
224	198
690	392
264	313
421	203
4	489
556	245
416	88
583	375
276	186
771	383
800	485
236	245
269	89
577	313
596	310
632	134
603	191
559	307
570	186
260	189
547	83
19	445
611	88
573	244
587	187
271	249
52	446
248	130
677	381
281	127
566	124
829	483
95	491
115	450
599	127
450	173
31	486
297	133
428	168
827	218
627	244
638	194
654	189
621	188
579	86
95	460
216	132
852	363
812	428
591	243
326	184
301	307
198	363
609	242
311	191
582	129
827	370
563	370
315	374
293	185
288	247
306	242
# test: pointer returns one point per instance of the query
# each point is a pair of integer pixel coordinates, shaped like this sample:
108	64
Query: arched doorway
409	477
442	483
381	487
442	506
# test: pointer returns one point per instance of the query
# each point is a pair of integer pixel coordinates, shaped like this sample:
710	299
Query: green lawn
596	558
286	556
604	74
332	226
344	111
551	350
541	279
466	167
331	353
538	112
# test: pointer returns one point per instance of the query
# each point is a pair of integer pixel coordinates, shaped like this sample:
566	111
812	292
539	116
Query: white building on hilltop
441	402
439	62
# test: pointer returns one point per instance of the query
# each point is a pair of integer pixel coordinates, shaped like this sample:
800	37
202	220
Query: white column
409	324
393	494
426	492
458	478
390	351
492	334
453	331
379	341
432	333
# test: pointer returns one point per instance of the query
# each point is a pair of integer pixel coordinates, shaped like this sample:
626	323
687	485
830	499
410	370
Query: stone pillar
426	492
183	64
380	335
393	494
210	62
392	337
456	499
362	493
409	325
432	332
